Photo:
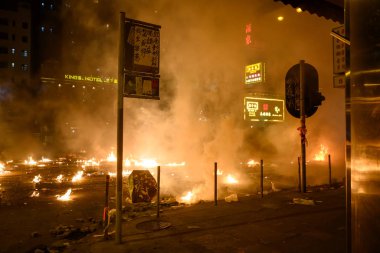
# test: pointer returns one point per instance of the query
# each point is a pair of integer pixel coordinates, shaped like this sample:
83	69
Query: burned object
142	186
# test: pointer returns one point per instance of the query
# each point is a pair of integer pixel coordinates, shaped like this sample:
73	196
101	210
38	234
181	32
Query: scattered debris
301	201
231	198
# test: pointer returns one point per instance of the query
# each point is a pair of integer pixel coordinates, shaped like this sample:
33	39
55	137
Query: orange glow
111	157
252	163
37	179
298	10
59	178
280	18
231	180
188	198
65	197
77	177
321	156
30	161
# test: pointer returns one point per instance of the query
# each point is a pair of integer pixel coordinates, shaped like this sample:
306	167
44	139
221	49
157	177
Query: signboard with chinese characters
339	50
263	109
339	59
142	47
255	73
142	57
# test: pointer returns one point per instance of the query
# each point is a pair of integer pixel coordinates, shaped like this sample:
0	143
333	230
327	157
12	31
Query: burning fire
77	177
252	163
35	194
37	179
65	197
30	161
111	157
2	166
59	178
188	198
322	154
231	180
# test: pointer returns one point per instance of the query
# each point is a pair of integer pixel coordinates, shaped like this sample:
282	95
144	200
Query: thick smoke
199	118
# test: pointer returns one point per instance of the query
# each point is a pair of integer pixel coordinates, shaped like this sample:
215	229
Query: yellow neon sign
95	79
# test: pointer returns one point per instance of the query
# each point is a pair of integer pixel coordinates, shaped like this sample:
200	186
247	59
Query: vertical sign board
255	73
339	59
263	109
142	57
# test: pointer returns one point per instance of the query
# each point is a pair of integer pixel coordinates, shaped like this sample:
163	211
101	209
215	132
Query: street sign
255	73
138	86
142	58
339	59
263	109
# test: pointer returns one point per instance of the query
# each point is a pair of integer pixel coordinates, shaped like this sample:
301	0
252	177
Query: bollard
262	177
299	174
106	208
158	191
215	183
330	170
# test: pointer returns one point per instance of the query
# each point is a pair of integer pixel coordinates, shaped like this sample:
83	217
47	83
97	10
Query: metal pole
106	208
119	174
299	174
329	170
303	125
158	191
215	183
262	177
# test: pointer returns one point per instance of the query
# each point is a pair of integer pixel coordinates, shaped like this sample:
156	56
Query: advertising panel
263	109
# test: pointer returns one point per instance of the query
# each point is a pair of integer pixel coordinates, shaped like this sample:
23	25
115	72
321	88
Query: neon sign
263	109
95	79
255	73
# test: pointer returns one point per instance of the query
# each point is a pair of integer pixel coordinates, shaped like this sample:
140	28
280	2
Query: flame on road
321	156
111	157
252	163
2	167
37	179
59	178
77	177
30	161
35	194
188	198
231	180
65	197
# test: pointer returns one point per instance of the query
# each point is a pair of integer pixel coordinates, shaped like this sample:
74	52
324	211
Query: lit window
24	53
51	29
12	64
42	4
42	28
24	67
13	51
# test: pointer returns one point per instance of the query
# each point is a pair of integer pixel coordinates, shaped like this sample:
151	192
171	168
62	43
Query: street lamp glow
280	18
299	10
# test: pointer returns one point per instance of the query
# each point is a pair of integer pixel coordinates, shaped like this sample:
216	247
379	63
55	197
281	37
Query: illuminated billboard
263	109
255	73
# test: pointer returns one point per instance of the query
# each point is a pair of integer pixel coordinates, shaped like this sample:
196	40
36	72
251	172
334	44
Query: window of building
24	67
24	53
51	6
3	36
13	37
13	65
13	51
25	25
42	28
3	50
3	64
24	39
51	29
42	4
4	21
13	23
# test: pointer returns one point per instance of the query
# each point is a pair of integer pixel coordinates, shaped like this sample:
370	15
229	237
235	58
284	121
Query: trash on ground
302	201
231	198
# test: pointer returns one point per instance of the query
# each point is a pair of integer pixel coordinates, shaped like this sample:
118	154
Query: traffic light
313	98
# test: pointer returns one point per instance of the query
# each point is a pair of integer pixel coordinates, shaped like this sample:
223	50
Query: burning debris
231	179
59	178
188	198
142	186
35	194
65	197
37	179
77	177
321	155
